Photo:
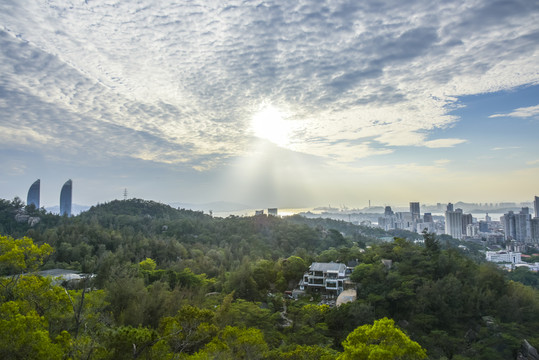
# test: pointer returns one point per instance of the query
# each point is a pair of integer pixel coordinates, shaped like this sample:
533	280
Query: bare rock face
20	217
32	221
527	352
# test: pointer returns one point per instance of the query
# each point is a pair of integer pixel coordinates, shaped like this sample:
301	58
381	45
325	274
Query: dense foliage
178	284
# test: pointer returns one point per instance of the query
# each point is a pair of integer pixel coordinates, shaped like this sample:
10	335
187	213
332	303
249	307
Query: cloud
443	143
442	162
523	112
498	148
180	83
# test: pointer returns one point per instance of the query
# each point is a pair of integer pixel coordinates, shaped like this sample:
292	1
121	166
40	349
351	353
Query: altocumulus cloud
180	82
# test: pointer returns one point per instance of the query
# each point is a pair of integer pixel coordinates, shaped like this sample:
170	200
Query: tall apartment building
404	221
453	223
517	226
483	227
387	222
536	206
467	219
415	211
508	224
534	230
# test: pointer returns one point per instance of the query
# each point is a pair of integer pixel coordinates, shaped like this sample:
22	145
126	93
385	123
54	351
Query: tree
235	343
127	342
24	335
308	324
382	340
242	283
148	264
293	269
303	352
335	238
431	244
21	255
189	330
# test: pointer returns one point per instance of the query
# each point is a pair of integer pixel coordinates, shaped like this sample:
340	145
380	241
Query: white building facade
504	257
325	277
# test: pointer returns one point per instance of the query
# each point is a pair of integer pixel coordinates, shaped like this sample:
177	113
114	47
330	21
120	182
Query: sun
271	124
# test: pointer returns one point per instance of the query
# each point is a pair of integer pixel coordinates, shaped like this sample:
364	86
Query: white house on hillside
325	277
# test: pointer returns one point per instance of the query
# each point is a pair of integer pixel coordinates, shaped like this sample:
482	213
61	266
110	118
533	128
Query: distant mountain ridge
217	206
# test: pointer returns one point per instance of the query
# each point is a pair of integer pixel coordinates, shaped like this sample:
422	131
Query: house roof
325	267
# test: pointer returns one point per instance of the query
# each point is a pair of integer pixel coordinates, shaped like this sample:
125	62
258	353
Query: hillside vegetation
178	284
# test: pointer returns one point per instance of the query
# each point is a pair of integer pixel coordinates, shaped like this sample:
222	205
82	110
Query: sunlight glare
270	124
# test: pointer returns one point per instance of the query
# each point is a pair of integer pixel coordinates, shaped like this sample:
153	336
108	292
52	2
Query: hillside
176	283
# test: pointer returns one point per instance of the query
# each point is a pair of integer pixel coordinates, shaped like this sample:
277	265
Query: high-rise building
517	226
508	223
65	198
467	219
427	217
534	229
523	226
387	222
453	223
536	206
449	207
471	230
483	227
403	220
33	194
415	211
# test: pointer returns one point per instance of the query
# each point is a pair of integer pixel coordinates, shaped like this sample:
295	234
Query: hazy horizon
233	207
272	104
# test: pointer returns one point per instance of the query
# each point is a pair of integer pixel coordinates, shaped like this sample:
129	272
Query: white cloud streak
498	148
523	112
443	143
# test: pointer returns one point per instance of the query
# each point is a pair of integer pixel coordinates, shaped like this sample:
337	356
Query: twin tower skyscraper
65	196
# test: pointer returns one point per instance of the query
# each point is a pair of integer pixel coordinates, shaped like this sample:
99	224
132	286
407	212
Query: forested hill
179	284
131	230
139	207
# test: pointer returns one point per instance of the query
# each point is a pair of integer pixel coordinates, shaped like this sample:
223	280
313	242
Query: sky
270	103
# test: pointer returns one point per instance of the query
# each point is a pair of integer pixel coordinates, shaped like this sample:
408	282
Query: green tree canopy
147	264
380	341
21	255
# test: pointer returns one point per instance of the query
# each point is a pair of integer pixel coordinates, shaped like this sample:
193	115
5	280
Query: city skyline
270	104
415	208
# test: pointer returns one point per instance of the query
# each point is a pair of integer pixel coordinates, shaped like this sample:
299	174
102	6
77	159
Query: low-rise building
325	277
504	257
